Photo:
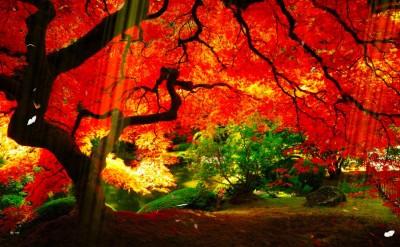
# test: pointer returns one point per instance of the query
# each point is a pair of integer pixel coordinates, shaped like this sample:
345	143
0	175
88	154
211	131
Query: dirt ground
256	224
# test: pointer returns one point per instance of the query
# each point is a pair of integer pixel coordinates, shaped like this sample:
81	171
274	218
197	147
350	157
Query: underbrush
354	189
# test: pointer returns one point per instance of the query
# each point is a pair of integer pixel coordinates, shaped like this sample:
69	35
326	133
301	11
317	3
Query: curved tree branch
168	75
159	12
346	98
348	29
86	113
131	14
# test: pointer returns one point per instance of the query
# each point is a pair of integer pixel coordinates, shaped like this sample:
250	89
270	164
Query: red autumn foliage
12	217
50	179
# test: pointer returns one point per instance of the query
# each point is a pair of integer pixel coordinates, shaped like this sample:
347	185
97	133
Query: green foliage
125	150
304	183
27	179
13	187
95	142
12	193
240	156
181	147
122	149
193	198
393	152
37	169
178	136
350	188
296	176
179	139
55	208
2	161
11	200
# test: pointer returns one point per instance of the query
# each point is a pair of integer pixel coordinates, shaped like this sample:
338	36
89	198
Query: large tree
326	68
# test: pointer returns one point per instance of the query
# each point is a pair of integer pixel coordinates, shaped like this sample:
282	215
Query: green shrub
181	147
125	151
179	139
12	193
304	183
122	149
27	179
292	176
55	208
95	142
13	187
240	156
356	187
11	200
2	161
37	169
192	198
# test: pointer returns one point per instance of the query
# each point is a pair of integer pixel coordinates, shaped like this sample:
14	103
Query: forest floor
263	222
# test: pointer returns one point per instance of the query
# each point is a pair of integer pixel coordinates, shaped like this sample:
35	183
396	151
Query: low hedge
55	208
191	198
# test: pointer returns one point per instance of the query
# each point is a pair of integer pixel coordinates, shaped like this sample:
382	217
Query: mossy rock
190	198
325	196
55	208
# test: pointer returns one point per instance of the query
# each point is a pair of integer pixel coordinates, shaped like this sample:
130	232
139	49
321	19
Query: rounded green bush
191	198
55	208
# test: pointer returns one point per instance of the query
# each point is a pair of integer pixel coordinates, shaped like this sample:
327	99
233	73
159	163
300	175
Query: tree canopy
131	70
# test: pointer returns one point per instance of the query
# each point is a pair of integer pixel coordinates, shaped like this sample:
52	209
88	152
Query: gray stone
325	196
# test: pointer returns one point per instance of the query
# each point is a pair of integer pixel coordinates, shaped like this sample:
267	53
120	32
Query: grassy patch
368	207
352	188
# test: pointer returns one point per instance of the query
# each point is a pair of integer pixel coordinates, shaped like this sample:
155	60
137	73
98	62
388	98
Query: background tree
241	157
327	68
